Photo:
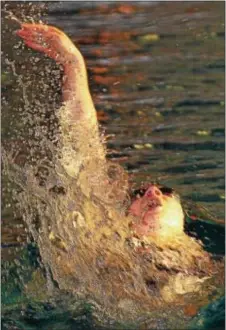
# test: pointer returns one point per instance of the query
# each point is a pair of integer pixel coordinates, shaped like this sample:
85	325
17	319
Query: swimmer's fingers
33	39
37	44
43	29
40	36
46	39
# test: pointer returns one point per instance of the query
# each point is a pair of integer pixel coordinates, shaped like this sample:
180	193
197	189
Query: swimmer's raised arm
55	44
82	148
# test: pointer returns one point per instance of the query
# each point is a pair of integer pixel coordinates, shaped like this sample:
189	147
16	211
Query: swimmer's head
157	213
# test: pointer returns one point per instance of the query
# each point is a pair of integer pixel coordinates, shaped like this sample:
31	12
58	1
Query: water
157	78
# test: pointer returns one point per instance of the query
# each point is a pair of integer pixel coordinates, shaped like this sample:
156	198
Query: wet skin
156	213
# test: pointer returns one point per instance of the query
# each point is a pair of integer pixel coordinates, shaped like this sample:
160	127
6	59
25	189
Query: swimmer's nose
153	191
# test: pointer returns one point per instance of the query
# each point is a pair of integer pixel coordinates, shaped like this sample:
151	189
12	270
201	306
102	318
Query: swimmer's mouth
154	204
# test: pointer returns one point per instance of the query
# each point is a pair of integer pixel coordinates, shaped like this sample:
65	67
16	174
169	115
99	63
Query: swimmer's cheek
136	208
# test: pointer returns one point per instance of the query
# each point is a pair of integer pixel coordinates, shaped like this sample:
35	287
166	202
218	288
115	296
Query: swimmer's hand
49	40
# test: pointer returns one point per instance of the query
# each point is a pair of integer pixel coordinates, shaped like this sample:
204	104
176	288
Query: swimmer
157	213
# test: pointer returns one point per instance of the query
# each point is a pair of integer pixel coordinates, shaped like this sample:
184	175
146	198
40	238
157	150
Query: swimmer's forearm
75	89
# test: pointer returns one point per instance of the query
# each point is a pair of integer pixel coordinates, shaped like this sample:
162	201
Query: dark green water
157	77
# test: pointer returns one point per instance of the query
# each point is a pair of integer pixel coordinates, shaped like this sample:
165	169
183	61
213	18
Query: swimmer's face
157	213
